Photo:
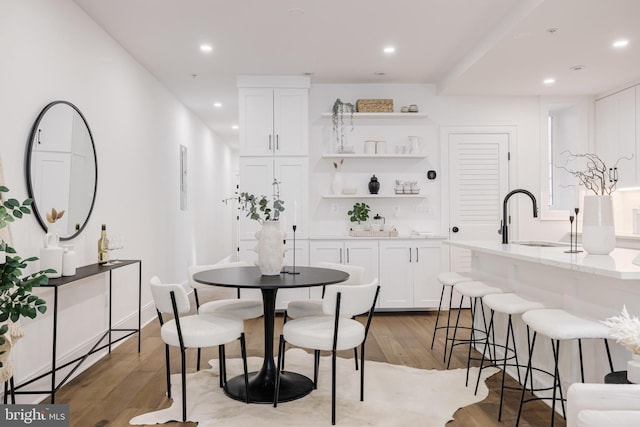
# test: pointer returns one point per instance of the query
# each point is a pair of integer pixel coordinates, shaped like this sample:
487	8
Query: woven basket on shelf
374	105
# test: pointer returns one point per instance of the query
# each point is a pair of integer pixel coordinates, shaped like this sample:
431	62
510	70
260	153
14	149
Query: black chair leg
223	365
184	384
333	388
168	370
316	366
199	354
276	394
362	373
435	328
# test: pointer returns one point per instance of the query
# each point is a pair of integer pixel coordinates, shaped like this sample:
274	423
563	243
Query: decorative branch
596	177
258	208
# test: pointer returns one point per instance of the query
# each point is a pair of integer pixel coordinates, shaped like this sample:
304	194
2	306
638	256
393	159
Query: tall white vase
336	183
598	229
270	248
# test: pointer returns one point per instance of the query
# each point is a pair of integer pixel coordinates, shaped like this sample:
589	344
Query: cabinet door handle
347	255
340	255
417	255
269	142
277	142
410	255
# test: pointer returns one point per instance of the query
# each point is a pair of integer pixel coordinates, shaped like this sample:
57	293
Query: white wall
521	112
51	50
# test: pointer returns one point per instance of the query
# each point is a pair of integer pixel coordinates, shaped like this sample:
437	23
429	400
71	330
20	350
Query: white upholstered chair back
161	293
354	299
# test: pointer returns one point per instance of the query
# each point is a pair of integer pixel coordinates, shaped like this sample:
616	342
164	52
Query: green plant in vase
359	213
16	297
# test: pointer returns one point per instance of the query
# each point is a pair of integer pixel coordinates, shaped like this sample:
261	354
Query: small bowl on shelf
350	191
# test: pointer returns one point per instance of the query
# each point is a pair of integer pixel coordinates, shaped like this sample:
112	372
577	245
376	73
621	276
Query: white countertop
619	264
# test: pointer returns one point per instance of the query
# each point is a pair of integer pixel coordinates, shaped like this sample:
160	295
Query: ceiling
464	47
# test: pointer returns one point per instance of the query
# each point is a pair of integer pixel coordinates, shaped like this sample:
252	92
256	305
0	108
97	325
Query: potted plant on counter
359	214
16	297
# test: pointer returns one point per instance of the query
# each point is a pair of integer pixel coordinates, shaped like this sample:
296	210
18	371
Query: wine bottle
103	246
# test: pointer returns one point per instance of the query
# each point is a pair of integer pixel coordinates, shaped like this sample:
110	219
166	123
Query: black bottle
374	185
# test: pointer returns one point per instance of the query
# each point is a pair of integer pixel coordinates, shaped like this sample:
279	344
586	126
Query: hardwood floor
125	383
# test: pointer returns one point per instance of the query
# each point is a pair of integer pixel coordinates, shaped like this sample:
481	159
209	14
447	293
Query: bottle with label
103	246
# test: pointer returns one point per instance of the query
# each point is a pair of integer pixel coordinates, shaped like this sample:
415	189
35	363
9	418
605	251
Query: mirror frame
32	134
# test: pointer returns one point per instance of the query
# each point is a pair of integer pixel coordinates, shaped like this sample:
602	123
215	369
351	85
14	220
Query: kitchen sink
540	243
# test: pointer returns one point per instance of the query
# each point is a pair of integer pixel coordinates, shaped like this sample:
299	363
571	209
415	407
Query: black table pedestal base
292	386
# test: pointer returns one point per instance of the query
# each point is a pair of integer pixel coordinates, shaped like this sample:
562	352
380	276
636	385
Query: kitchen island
594	286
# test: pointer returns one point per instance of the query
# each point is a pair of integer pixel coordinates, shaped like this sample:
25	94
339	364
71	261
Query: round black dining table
262	382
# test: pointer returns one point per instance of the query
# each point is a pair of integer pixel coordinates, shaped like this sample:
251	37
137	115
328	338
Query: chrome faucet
504	230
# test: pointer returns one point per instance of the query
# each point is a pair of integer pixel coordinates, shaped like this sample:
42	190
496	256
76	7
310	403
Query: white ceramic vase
598	229
69	261
336	183
270	248
633	369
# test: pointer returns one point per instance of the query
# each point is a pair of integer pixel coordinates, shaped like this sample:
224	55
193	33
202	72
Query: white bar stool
560	325
510	304
447	279
474	290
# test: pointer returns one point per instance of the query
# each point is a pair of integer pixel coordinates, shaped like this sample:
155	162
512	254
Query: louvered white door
479	179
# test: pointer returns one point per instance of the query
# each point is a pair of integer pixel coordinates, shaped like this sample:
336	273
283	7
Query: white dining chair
226	301
313	307
194	331
334	330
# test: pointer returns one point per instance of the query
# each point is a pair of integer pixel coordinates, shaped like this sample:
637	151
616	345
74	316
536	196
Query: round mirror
62	169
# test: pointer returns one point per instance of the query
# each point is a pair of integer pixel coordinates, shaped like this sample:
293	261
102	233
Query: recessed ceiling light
549	81
577	68
206	47
389	49
296	12
379	73
620	43
234	127
217	104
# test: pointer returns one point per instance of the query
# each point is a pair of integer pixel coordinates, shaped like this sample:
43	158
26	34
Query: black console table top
88	271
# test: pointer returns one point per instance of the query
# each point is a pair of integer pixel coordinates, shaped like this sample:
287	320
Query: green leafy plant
16	298
337	116
359	213
260	208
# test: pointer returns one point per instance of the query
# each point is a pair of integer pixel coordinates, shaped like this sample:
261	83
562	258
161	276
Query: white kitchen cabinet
274	121
408	273
354	252
615	134
247	253
292	173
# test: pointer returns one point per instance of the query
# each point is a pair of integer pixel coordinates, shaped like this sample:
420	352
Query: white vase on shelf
336	183
270	248
598	229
